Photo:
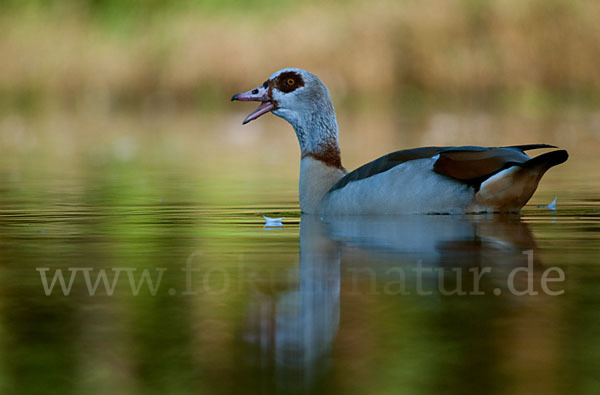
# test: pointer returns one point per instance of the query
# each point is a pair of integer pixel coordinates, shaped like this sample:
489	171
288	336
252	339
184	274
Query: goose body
426	180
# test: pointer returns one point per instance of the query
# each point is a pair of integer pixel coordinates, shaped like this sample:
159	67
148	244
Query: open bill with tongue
264	108
260	94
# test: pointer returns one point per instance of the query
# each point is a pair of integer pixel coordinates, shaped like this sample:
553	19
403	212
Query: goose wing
468	164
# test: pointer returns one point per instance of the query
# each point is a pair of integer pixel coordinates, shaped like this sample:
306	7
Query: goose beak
260	94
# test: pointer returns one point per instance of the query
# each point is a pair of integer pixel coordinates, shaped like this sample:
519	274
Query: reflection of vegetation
86	182
122	54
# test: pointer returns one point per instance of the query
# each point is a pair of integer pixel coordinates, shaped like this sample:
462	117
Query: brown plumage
329	155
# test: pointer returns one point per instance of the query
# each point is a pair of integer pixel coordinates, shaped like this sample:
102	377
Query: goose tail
510	189
547	160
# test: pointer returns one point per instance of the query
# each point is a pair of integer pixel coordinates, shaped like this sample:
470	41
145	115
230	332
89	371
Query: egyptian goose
427	180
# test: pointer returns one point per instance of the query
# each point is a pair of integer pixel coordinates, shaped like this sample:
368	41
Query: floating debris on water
273	221
551	206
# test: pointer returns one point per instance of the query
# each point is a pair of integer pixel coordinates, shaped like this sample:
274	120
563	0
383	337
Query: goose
425	180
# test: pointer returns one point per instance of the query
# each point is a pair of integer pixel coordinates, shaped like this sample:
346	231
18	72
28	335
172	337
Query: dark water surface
318	305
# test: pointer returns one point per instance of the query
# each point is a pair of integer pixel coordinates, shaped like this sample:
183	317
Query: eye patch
289	81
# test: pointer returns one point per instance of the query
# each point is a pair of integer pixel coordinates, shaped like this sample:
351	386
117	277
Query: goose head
300	98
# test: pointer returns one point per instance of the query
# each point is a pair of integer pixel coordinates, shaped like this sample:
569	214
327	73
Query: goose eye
290	82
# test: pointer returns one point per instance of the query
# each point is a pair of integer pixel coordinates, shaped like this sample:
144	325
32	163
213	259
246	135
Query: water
315	306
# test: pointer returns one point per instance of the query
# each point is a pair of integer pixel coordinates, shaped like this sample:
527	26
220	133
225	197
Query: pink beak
260	94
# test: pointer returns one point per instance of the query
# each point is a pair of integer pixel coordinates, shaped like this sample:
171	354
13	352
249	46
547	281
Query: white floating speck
273	221
552	206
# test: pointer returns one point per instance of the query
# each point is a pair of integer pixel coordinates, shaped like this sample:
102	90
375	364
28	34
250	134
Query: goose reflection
293	329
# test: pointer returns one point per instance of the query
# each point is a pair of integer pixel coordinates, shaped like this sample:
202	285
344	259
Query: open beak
260	94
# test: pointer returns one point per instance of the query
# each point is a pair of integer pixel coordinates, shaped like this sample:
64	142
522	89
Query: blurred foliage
121	55
113	10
